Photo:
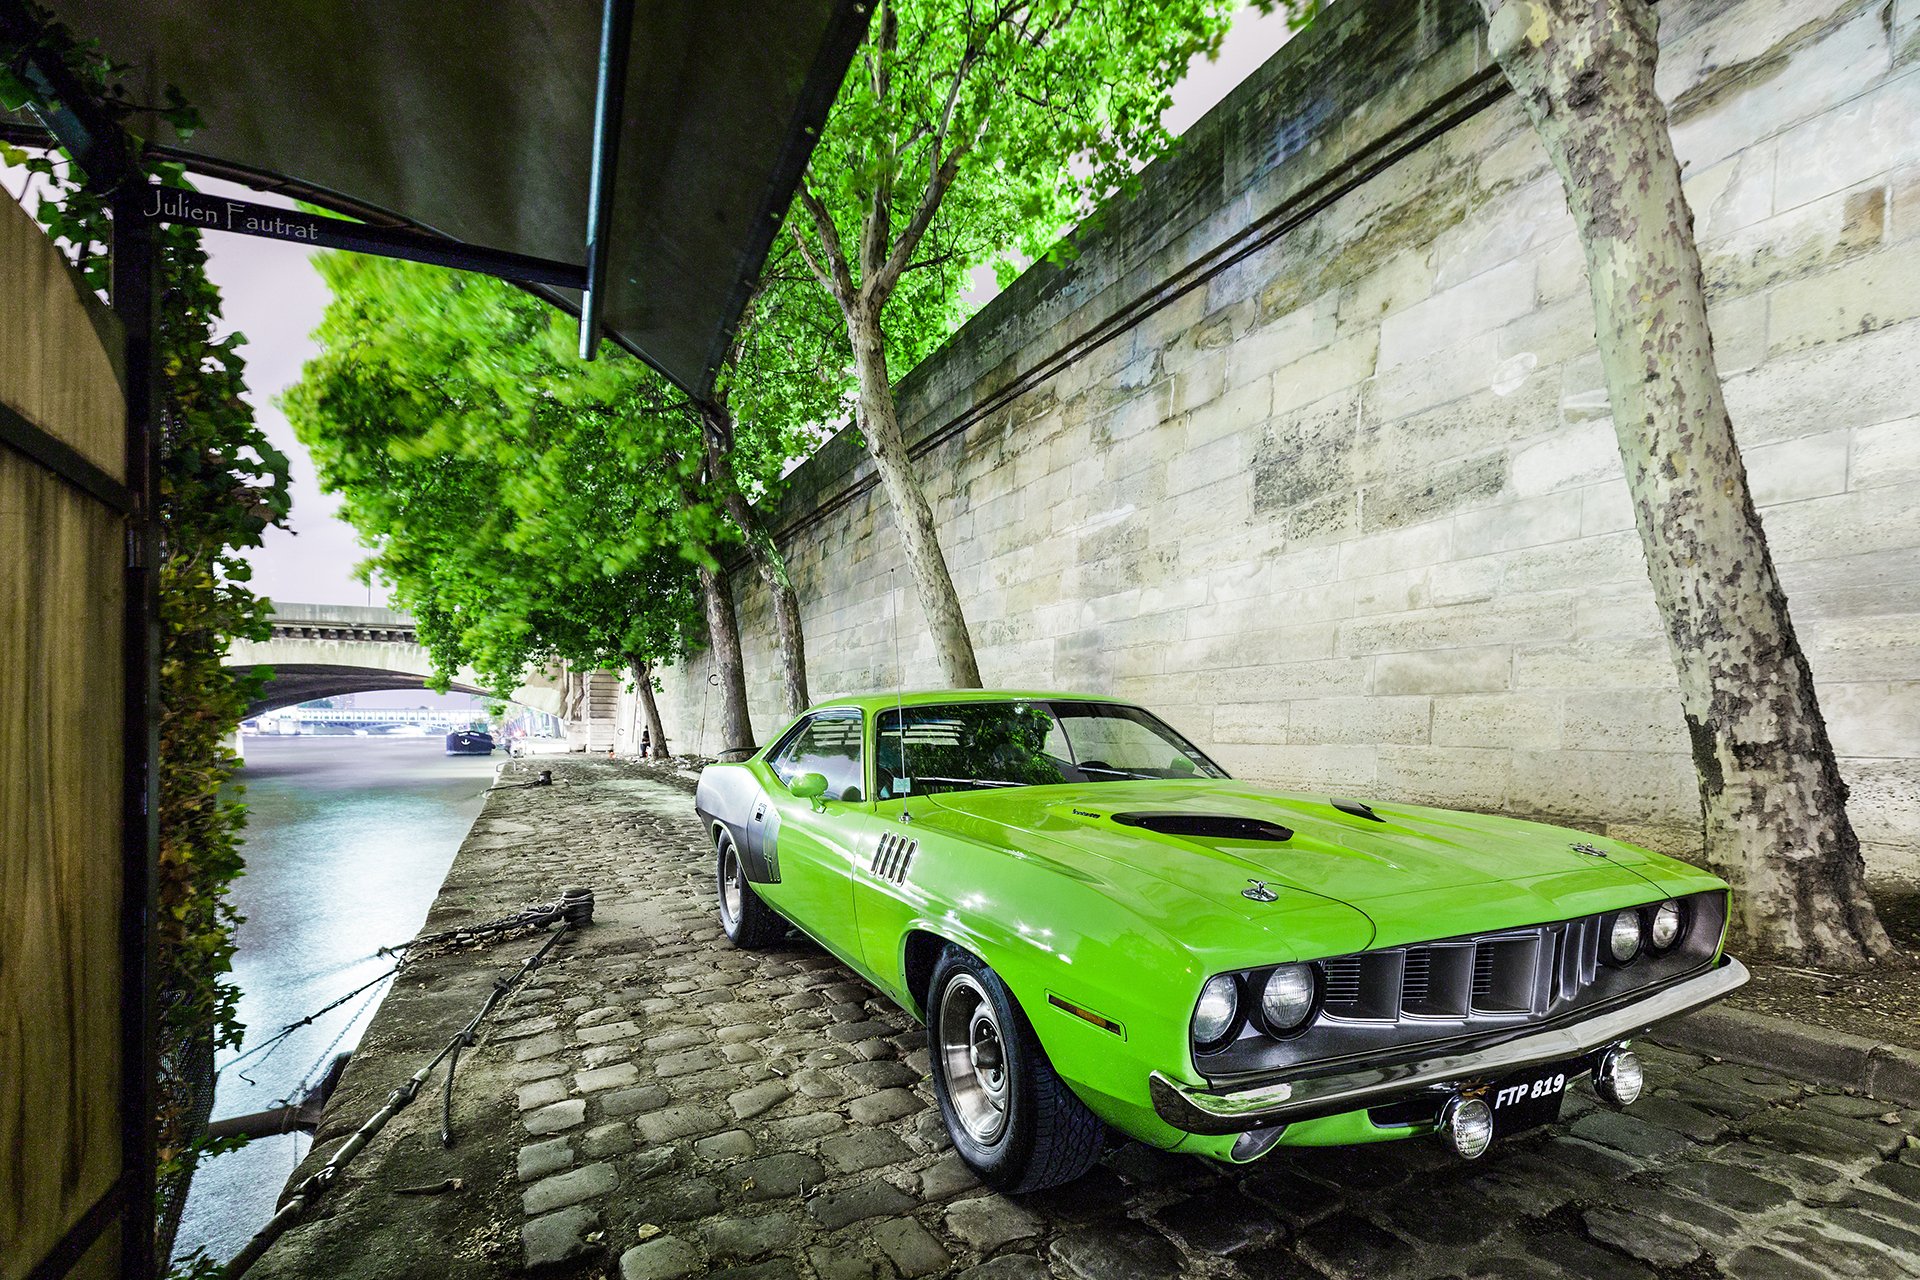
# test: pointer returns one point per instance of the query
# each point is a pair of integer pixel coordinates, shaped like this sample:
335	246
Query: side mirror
809	786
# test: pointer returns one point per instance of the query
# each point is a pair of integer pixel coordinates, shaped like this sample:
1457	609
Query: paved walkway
680	1108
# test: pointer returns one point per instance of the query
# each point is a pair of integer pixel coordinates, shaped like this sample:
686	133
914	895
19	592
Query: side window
829	745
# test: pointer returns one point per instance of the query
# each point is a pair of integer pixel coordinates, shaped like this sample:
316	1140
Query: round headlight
1219	1003
1623	937
1668	922
1286	998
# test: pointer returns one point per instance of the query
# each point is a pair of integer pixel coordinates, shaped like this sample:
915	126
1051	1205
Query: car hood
1418	873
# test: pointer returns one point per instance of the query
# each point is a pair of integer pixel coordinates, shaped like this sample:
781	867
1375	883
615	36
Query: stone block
1603	785
600	1078
911	1247
1447	487
540	1093
1305	454
631	1102
1863	381
777	1176
1866	135
1474	306
836	1209
1360	720
1579	455
538	1159
986	1223
1481	669
758	1099
1504	720
606	1032
556	1116
1416	547
671	1123
662	1258
748	1237
1528	523
1873	719
1868	292
606	1140
1634	720
1460	776
1513	619
888	1104
1887	453
557	1237
562	1189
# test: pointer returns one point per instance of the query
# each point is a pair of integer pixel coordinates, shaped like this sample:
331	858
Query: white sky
275	298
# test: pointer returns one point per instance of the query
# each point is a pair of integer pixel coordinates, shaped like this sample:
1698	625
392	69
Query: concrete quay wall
1309	448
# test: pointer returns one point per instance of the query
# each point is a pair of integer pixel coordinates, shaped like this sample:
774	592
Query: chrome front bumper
1267	1103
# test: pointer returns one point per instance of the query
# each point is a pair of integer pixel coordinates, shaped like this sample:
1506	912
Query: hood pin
1258	891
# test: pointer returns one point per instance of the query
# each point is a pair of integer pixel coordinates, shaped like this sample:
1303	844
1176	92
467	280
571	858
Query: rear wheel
749	922
1011	1117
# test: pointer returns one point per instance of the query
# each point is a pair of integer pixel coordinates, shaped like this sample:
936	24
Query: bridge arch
322	651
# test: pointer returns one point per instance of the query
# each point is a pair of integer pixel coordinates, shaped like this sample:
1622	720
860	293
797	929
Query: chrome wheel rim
732	885
974	1059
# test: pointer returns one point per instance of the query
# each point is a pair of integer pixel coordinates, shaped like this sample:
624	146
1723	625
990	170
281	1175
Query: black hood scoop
1206	826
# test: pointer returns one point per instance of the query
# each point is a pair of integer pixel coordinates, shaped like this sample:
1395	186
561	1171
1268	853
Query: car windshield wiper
1118	773
972	782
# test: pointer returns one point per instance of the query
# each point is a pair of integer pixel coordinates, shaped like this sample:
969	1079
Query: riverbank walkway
657	1104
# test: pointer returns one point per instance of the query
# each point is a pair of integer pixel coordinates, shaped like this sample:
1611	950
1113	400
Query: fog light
1618	1078
1467	1126
1255	1143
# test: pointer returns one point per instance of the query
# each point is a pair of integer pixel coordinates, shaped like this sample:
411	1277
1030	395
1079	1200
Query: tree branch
833	275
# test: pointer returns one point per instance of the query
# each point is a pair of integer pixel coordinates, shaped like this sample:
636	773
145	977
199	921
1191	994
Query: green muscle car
1100	928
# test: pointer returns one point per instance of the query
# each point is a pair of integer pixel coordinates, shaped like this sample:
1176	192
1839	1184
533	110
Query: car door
814	841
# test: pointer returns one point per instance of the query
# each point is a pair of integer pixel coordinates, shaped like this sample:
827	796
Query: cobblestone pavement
690	1109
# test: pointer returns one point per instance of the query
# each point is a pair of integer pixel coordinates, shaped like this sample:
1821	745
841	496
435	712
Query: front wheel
749	922
1010	1116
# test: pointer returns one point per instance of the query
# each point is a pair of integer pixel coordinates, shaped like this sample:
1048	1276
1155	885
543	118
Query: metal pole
135	289
616	40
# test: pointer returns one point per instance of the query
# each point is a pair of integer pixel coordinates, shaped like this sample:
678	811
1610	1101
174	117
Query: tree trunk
643	684
1771	796
888	447
771	564
723	634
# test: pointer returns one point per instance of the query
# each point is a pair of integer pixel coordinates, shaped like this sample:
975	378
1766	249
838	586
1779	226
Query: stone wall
1309	449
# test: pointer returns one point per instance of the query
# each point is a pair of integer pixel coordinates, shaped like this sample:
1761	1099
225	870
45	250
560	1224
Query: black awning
474	119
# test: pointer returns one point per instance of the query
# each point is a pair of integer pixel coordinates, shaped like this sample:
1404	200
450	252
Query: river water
347	842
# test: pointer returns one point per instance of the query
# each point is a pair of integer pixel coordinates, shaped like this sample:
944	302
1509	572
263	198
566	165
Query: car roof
925	697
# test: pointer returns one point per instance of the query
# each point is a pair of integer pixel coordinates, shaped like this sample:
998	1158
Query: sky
274	297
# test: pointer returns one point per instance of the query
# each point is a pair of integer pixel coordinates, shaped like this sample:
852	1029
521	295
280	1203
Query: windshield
965	746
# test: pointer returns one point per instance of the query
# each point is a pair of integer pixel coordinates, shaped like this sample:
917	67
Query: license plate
1527	1099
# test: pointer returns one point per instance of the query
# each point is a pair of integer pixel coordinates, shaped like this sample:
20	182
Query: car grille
1392	1000
1519	973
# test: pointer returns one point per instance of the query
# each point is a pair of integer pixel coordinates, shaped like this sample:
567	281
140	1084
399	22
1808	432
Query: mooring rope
573	908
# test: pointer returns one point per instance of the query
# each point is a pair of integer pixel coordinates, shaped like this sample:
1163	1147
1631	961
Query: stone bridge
323	650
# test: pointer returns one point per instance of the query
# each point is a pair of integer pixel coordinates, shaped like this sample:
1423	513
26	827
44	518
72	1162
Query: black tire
1046	1135
752	924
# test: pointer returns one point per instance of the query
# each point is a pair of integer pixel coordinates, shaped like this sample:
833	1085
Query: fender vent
1206	826
893	857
